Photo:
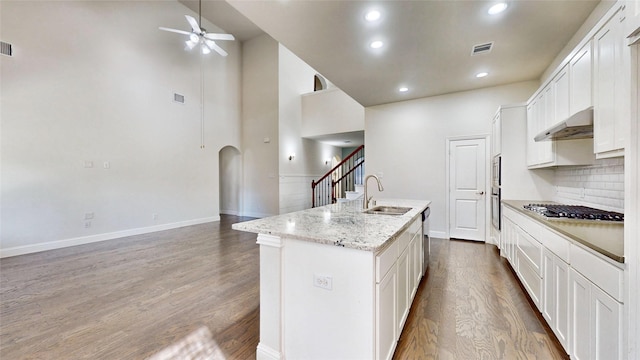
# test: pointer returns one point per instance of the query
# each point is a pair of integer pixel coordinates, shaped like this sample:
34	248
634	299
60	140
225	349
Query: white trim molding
63	243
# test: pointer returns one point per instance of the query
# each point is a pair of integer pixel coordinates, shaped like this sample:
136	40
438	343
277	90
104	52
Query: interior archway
230	161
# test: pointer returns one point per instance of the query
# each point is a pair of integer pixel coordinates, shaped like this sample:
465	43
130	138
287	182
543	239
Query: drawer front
527	224
604	275
557	244
529	278
531	251
385	261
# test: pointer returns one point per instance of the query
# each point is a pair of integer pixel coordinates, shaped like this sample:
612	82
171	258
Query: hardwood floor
471	306
130	298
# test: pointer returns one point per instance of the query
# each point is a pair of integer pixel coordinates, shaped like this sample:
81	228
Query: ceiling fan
200	36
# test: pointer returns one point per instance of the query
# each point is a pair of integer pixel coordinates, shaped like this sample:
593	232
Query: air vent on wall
178	98
6	48
482	48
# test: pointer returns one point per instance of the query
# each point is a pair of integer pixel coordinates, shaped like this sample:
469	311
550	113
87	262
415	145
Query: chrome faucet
367	199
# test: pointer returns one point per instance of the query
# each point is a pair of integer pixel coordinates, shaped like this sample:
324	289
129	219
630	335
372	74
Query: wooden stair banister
339	179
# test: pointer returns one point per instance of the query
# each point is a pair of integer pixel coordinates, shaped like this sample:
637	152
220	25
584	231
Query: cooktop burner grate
574	212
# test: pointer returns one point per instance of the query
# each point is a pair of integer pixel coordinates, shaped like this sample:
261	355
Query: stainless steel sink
388	210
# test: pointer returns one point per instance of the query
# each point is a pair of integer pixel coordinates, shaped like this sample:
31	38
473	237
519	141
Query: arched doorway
230	172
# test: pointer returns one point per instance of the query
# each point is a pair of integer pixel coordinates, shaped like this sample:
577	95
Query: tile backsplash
600	185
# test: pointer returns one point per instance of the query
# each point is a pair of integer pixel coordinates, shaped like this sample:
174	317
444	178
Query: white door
467	166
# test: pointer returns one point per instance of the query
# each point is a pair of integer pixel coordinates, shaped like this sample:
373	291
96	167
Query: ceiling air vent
178	98
6	48
482	48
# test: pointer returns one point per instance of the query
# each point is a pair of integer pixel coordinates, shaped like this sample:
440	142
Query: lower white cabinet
404	292
555	296
596	321
386	330
578	293
398	273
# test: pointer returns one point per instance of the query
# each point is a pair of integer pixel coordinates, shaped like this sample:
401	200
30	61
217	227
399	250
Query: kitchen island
335	282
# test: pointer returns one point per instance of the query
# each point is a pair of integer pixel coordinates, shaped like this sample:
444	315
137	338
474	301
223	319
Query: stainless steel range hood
578	126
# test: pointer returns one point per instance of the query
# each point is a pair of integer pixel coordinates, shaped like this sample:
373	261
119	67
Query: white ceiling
427	43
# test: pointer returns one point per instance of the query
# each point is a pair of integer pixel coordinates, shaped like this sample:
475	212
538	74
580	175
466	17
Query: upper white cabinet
633	20
580	80
496	133
561	95
549	153
611	87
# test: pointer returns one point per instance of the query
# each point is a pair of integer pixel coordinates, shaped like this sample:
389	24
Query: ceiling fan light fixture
205	49
191	44
193	37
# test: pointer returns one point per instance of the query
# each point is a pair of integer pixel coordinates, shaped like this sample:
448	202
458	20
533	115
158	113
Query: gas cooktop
557	211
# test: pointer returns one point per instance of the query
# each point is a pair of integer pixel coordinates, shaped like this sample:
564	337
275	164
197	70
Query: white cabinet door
561	101
561	290
596	322
555	296
579	310
532	154
605	312
416	263
496	145
386	324
404	289
611	88
580	79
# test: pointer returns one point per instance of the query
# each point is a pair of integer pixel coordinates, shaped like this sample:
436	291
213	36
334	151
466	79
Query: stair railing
342	178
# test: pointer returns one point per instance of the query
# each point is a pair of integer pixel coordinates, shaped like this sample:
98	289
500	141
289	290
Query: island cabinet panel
404	290
328	319
386	331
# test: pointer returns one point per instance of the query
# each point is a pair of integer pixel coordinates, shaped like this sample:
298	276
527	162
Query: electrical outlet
87	224
323	281
88	216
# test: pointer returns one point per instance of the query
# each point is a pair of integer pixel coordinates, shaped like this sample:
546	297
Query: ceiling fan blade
175	30
194	24
212	45
212	36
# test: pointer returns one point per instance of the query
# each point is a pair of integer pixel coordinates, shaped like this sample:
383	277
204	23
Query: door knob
480	192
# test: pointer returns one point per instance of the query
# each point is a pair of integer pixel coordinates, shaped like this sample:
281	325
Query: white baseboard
230	212
59	244
264	352
438	234
257	215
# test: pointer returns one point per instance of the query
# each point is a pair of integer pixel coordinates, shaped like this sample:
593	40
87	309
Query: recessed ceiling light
372	15
482	74
376	44
403	89
497	8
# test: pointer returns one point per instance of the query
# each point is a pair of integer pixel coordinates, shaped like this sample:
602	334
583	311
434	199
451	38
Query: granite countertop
340	224
605	237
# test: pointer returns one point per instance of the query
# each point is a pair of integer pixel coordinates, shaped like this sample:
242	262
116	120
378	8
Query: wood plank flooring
471	306
129	298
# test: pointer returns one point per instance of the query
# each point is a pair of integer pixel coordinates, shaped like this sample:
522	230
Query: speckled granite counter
341	224
607	238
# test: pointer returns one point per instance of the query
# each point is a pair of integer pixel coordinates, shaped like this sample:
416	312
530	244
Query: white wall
93	82
260	121
406	141
296	78
330	111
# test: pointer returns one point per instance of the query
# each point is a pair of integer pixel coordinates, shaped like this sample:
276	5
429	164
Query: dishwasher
426	243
